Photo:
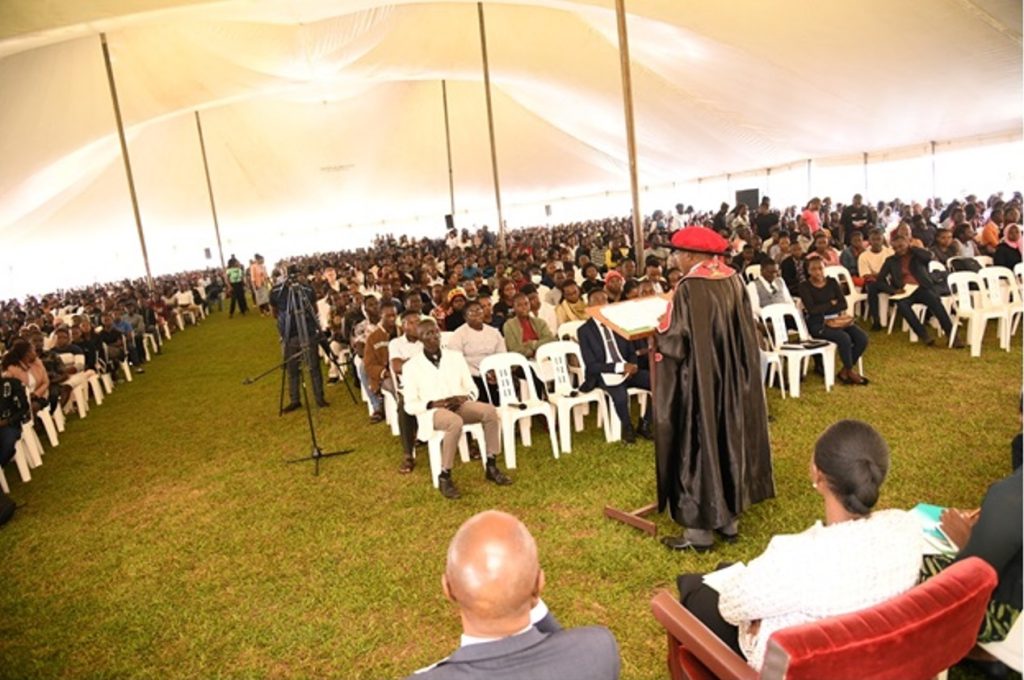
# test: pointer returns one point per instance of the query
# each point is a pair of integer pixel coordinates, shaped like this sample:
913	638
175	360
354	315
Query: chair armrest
695	637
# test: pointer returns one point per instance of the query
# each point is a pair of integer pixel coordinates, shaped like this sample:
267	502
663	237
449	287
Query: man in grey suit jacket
494	577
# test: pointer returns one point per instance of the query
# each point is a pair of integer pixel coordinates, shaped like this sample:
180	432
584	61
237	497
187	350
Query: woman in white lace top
854	560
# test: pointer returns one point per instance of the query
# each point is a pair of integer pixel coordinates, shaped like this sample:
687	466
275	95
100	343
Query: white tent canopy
324	122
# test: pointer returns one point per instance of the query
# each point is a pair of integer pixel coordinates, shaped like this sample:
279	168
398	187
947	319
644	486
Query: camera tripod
299	316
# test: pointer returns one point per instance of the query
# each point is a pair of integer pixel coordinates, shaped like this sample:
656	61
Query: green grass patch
166	537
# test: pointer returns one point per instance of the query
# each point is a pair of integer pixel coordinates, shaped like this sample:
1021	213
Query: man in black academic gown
711	421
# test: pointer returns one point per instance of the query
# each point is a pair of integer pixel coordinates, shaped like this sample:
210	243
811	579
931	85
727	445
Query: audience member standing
236	279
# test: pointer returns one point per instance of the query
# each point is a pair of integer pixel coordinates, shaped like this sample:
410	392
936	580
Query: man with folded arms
437	382
494	577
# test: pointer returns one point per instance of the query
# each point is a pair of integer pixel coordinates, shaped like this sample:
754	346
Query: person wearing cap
711	422
456	309
613	283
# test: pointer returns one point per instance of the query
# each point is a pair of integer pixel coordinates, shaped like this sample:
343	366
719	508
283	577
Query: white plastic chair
984	260
515	409
614	424
855	296
569	330
358	362
43	415
977	311
434	439
795	358
21	461
33	447
391	411
752	272
1003	289
567	400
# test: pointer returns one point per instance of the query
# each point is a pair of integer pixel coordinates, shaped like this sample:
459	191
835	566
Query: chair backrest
842	275
556	355
570	329
755	301
917	634
446	337
774	317
984	260
960	286
936	266
752	272
502	365
1000	285
1018	271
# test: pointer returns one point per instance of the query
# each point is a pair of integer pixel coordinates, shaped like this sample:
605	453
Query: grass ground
166	538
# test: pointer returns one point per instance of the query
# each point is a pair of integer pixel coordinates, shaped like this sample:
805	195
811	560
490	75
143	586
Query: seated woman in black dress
827	319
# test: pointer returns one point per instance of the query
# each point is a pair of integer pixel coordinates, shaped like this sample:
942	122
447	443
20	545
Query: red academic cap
699	240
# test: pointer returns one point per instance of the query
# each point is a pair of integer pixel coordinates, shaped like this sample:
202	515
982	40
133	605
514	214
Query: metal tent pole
124	155
490	124
209	190
627	103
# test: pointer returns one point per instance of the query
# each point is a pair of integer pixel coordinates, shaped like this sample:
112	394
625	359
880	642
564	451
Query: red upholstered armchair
914	636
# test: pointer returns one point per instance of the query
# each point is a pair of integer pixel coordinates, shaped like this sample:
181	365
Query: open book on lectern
632	319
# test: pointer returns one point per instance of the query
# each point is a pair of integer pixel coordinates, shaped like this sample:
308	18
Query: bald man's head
493	573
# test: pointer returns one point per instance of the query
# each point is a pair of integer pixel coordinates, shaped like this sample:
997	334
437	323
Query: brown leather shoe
407	465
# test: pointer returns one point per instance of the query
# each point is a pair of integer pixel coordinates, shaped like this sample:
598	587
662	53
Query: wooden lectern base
635	518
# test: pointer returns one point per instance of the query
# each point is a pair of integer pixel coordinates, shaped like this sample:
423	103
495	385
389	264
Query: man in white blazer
437	384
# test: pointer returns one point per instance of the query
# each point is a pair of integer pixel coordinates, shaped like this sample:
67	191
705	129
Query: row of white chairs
29	450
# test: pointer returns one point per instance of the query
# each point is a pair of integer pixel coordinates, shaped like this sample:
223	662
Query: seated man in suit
612	364
438	380
770	288
493	575
908	266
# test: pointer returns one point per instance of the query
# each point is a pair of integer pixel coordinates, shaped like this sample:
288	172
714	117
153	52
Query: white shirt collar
468	640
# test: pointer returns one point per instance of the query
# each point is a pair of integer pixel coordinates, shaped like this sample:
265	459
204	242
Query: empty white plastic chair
977	311
567	400
794	355
514	408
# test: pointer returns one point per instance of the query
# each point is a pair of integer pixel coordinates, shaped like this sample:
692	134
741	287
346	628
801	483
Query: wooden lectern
635	320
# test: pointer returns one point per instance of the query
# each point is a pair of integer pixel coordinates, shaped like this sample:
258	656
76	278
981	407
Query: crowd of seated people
56	344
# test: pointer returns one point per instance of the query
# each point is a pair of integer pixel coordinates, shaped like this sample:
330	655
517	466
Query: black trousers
702	601
238	297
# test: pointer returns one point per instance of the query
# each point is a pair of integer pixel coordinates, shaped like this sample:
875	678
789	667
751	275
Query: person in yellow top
572	307
616	253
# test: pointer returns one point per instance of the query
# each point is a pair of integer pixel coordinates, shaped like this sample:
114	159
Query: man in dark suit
494	576
909	266
611	362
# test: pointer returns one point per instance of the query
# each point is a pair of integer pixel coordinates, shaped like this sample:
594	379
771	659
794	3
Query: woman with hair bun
856	559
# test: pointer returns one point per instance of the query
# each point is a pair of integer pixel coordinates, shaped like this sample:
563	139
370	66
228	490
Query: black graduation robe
711	422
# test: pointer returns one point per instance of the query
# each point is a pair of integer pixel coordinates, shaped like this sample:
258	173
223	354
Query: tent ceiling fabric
324	113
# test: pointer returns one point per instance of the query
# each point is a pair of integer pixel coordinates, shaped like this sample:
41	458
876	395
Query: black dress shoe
644	430
682	543
493	474
728	538
629	436
294	406
447	488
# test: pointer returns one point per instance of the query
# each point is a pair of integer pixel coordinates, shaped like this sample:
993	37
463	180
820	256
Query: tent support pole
865	173
490	124
934	193
627	103
209	190
448	148
124	155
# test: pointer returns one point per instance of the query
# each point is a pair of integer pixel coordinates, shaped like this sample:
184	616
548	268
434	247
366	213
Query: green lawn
166	537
